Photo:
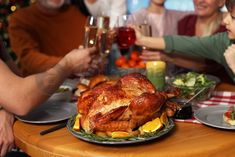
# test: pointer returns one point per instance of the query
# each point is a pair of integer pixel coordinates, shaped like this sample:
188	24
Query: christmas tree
7	7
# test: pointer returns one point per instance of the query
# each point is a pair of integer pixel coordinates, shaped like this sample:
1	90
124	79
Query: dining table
184	140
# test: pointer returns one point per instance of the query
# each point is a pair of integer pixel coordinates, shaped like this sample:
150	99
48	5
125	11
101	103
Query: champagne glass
145	29
97	34
105	36
91	29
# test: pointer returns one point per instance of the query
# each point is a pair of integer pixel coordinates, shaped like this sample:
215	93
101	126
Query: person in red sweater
44	32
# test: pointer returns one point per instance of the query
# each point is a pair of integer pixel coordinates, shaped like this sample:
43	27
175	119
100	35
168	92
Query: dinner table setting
136	110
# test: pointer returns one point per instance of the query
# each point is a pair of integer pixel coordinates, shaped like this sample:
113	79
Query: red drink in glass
126	37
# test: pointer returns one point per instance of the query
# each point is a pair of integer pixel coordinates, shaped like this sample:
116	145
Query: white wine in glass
146	30
91	30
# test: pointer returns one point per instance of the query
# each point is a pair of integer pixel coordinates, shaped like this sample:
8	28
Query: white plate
50	112
213	116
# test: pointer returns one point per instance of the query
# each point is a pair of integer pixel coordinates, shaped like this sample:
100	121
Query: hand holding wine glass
146	30
98	34
125	34
139	35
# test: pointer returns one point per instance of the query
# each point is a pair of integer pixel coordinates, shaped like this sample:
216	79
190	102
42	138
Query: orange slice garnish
151	126
119	134
76	125
164	119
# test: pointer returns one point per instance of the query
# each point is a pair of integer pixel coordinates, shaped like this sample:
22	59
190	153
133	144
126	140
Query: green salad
191	83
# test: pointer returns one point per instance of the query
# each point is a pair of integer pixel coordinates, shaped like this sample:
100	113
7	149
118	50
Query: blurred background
184	5
9	6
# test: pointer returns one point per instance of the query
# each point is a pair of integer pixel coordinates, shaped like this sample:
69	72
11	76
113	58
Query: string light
13	8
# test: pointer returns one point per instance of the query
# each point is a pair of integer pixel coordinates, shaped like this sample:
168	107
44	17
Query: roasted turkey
121	105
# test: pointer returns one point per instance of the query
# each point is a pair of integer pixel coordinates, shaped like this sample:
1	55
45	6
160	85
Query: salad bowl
192	83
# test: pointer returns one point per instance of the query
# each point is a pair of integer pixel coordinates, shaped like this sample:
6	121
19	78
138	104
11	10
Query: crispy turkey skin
121	105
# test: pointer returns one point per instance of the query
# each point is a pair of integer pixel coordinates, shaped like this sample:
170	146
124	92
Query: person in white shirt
163	21
111	8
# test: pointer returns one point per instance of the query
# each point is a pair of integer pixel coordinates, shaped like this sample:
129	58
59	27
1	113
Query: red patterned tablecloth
217	98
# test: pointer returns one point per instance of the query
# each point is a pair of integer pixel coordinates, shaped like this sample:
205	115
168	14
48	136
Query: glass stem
124	51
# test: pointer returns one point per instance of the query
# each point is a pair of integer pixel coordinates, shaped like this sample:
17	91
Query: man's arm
20	95
6	133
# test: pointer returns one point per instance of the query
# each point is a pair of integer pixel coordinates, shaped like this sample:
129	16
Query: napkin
217	98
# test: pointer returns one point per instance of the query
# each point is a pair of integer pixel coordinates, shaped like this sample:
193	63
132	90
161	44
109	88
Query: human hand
230	57
147	55
97	66
6	133
139	35
78	60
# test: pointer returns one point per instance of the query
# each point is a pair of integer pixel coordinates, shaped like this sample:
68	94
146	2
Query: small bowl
64	93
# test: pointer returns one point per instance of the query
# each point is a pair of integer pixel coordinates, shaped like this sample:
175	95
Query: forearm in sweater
36	62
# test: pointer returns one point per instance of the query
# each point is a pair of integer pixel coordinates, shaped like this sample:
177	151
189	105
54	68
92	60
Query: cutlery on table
54	128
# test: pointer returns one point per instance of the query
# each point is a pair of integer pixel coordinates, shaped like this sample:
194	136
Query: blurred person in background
218	47
206	20
111	8
163	21
44	32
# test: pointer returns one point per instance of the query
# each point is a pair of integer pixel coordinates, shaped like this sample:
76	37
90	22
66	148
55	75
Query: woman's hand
155	56
139	35
230	57
6	132
149	42
150	55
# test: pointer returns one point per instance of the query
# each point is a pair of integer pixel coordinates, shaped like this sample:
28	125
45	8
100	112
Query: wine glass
125	34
